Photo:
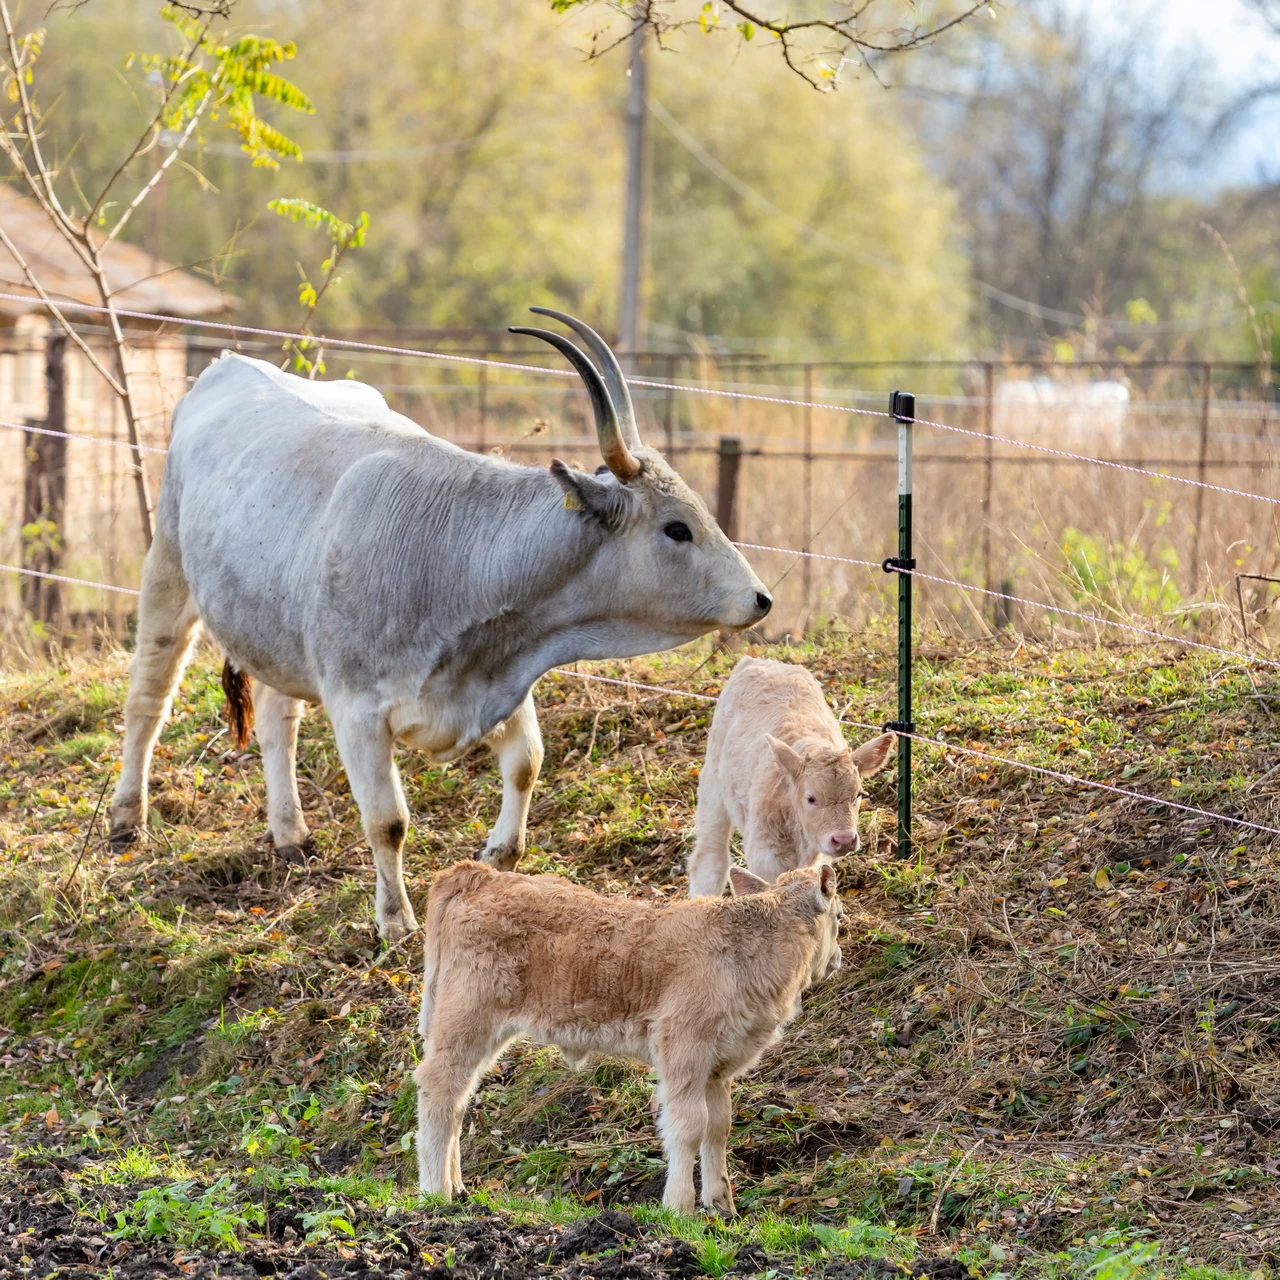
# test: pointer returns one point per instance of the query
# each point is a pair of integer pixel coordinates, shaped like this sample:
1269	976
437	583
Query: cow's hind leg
167	621
367	750
518	746
278	717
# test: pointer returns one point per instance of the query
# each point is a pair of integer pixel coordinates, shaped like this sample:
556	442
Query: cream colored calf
779	770
697	990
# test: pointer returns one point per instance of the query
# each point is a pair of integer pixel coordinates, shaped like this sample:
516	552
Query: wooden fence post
44	493
669	407
1206	385
987	477
730	457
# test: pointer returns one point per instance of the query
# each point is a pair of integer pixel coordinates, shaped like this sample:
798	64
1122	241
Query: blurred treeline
1034	155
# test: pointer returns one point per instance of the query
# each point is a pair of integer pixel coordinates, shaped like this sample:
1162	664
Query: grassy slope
1060	1019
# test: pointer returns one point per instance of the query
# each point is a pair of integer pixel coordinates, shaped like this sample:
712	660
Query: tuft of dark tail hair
239	711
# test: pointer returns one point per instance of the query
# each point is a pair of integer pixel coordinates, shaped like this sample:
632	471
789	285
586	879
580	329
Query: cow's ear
788	758
872	756
602	498
744	882
826	886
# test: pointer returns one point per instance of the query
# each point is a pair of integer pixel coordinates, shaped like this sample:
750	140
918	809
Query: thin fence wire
952	746
672	691
61	577
815	555
75	435
733	394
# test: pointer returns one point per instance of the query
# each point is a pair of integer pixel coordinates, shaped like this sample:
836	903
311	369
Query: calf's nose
842	841
764	602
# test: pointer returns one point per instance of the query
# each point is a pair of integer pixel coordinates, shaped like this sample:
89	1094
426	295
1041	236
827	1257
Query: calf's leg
518	746
167	621
456	1053
367	751
277	723
682	1122
709	862
717	1193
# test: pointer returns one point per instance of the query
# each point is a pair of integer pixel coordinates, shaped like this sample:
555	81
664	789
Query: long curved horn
609	367
613	447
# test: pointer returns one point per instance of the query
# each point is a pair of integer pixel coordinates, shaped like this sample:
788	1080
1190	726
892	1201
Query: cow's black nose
764	602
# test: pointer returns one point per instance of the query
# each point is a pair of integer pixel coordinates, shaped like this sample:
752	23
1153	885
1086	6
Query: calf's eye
812	799
678	531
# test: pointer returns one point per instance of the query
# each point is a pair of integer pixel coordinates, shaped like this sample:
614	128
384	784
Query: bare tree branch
160	171
849	35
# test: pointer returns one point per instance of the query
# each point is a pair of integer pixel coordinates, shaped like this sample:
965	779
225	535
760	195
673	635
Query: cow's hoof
502	857
396	927
123	835
723	1206
295	855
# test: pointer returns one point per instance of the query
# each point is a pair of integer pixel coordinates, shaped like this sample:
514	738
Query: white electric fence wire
1033	604
75	582
953	746
790	551
73	435
859	724
319	340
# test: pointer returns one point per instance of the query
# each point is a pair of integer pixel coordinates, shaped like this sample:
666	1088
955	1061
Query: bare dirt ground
1054	1047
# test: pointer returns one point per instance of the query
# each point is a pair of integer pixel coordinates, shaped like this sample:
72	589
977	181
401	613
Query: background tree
207	80
494	171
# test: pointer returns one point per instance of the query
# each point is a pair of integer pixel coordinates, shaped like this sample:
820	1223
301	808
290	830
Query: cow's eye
678	531
812	799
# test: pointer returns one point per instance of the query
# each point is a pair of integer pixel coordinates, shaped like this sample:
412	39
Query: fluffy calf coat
697	990
779	770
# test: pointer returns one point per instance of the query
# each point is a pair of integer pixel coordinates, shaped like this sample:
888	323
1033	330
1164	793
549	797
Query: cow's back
247	497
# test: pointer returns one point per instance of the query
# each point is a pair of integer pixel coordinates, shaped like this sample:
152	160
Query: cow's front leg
518	746
367	750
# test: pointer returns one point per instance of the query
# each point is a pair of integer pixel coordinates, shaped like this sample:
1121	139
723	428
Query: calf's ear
872	756
743	882
827	886
789	759
602	498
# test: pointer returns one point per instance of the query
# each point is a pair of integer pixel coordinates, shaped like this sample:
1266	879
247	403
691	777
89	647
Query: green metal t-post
902	405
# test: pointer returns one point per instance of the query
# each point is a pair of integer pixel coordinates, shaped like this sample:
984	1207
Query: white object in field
1043	410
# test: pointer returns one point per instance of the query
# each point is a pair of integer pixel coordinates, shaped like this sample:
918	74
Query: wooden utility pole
629	324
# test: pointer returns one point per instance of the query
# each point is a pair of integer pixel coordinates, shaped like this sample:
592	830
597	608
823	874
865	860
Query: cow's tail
238	687
449	886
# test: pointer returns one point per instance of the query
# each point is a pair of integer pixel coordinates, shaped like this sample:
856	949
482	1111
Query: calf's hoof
122	834
294	855
502	857
683	1205
723	1206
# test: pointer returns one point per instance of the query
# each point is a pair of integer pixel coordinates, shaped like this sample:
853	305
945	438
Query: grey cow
341	555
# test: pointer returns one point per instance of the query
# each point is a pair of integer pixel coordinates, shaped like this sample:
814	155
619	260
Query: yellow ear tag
571	503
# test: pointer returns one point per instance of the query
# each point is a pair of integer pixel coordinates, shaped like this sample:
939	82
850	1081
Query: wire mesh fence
809	459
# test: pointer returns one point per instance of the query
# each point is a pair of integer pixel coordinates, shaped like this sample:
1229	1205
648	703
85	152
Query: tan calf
697	990
779	770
